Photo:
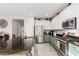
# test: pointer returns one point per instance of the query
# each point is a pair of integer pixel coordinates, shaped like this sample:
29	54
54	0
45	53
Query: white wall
29	26
8	30
77	14
45	23
69	12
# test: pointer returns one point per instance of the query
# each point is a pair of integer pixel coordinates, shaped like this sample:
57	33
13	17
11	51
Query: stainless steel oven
63	47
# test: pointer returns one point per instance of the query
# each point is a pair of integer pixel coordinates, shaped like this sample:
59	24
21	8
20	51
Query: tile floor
45	50
41	50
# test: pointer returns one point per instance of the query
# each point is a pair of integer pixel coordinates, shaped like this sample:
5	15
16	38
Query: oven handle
62	41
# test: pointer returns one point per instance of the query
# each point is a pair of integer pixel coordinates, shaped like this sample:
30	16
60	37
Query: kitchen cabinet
53	41
60	45
50	39
46	38
73	50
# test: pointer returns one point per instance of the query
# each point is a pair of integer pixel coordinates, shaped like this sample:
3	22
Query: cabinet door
73	50
46	38
52	41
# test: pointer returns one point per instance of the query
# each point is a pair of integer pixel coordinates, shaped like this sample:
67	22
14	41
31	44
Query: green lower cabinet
50	39
53	41
46	38
73	50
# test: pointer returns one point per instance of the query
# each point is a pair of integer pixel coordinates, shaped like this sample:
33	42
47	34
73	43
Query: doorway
17	34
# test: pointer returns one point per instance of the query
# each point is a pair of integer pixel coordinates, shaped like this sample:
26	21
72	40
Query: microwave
70	23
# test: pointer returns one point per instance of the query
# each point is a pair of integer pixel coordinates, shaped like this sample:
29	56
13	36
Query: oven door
63	48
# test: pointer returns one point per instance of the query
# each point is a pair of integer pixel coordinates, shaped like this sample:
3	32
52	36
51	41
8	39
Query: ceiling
31	9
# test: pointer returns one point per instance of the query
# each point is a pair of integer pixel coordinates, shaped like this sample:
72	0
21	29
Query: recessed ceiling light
31	14
46	14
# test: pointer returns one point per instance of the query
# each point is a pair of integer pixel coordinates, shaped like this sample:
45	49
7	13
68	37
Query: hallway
45	50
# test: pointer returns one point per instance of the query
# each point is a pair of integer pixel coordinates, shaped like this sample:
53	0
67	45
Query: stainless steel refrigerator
39	30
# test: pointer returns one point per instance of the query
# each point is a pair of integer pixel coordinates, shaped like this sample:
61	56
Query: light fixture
31	14
46	14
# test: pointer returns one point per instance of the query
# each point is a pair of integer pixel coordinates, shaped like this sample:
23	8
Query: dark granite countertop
73	40
75	43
